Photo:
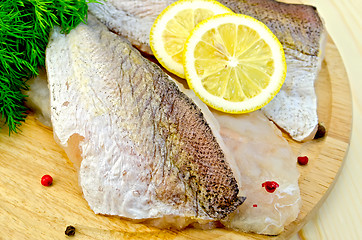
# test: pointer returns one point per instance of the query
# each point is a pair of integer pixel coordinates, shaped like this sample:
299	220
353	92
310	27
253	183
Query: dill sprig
24	31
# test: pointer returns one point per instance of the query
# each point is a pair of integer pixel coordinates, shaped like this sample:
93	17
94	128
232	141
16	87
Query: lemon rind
221	104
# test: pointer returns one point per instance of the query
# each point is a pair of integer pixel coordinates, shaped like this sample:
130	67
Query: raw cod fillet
298	27
261	154
255	143
144	150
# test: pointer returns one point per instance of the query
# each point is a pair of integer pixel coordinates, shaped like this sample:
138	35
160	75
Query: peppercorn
70	230
270	186
321	131
46	180
303	160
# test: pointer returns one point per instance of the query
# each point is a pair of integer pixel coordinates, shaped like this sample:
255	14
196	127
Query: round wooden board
30	211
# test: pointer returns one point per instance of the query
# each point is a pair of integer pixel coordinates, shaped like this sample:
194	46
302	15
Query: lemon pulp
178	29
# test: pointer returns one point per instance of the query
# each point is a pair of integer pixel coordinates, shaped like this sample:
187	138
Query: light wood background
340	217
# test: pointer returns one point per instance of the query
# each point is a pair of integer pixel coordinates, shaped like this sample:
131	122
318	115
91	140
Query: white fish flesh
38	97
262	155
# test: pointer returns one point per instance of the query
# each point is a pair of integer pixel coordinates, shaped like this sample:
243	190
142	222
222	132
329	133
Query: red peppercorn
270	186
46	180
303	160
255	205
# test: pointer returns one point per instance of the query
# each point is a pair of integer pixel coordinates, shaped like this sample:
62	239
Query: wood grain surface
340	216
29	210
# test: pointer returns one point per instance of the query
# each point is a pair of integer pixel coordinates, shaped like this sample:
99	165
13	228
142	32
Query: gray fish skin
298	27
146	149
132	19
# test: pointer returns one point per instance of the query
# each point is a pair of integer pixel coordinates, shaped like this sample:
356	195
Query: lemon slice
234	63
173	26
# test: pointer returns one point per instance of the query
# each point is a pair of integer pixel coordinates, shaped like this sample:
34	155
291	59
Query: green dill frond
12	109
24	31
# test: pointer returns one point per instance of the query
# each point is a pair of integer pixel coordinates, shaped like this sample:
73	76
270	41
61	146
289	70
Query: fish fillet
256	143
261	154
298	27
143	148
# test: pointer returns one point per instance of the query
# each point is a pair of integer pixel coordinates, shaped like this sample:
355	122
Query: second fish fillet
298	27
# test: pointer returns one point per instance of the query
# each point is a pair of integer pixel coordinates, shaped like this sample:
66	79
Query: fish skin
106	95
132	19
298	27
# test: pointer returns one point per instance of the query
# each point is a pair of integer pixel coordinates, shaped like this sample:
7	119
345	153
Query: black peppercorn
70	231
321	132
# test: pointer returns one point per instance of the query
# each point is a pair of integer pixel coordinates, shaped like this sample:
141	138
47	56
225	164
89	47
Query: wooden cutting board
29	210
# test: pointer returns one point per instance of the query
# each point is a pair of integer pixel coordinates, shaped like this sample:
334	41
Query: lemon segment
174	25
234	63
